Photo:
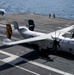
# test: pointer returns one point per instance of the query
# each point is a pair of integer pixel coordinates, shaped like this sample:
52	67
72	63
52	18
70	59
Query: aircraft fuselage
66	44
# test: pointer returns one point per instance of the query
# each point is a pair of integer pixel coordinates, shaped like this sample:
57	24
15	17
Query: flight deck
23	60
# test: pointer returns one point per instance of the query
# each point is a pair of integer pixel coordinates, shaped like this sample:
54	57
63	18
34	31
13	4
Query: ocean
61	8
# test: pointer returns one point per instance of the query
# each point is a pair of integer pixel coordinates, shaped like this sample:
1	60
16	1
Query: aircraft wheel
38	49
42	52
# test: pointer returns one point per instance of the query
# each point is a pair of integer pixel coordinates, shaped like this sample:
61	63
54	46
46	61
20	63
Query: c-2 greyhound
45	41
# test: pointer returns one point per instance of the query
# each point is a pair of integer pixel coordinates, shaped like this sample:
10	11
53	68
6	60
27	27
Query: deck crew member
8	31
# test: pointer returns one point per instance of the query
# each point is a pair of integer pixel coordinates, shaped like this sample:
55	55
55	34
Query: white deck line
13	57
12	60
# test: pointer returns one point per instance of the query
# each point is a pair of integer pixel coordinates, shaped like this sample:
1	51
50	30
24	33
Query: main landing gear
42	52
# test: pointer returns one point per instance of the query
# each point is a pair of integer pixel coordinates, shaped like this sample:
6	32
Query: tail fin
8	31
31	25
15	25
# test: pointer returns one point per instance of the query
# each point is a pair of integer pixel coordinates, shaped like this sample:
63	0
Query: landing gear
42	52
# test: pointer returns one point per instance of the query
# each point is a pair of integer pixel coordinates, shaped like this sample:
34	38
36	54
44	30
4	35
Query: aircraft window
31	36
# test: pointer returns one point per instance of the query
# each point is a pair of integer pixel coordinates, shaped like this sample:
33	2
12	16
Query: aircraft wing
61	32
9	42
65	30
42	37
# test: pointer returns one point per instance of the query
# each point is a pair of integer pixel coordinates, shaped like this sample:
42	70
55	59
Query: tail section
31	25
15	25
8	31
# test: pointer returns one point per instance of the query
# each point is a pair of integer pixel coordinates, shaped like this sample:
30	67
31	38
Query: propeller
72	33
55	42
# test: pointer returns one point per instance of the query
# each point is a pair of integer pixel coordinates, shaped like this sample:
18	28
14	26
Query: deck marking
13	57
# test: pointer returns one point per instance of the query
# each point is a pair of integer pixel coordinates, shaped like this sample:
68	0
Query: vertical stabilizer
31	25
15	25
